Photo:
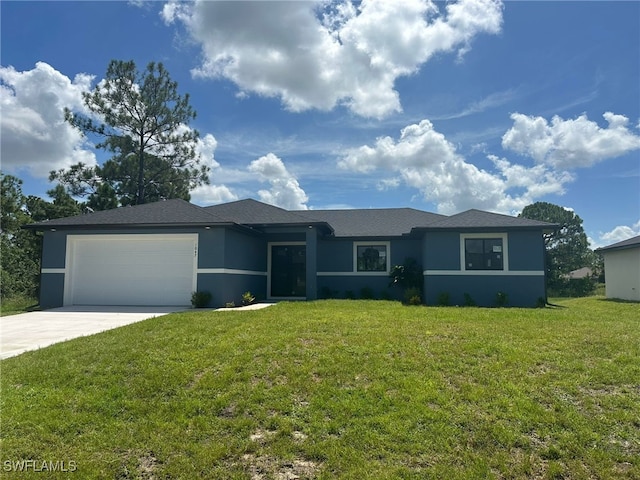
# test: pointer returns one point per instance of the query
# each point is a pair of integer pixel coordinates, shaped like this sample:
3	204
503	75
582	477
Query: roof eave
105	226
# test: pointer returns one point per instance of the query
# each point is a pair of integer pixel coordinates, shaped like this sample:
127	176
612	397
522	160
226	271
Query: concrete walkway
33	330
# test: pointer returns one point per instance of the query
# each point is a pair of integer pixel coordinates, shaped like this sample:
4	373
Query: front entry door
288	271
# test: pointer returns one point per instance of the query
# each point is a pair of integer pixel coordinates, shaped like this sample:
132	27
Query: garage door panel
132	269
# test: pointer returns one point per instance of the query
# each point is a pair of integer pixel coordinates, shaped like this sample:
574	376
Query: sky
436	106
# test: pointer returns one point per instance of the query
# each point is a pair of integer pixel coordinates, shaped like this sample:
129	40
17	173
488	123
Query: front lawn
336	389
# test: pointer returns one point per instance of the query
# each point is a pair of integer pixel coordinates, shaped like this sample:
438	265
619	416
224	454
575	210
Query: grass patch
15	305
338	389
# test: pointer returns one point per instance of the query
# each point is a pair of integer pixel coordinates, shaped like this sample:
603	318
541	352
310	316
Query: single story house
160	253
622	269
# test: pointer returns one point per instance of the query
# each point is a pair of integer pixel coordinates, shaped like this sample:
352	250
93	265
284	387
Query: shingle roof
253	212
377	222
380	222
481	219
628	243
165	213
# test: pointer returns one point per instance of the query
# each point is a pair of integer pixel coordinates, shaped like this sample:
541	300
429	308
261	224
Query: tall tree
141	119
567	248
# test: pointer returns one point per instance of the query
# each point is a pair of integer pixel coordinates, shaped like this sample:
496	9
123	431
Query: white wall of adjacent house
128	269
622	274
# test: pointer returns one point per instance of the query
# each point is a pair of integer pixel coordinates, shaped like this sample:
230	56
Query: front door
288	271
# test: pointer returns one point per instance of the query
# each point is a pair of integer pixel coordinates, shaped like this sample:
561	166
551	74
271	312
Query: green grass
338	389
15	305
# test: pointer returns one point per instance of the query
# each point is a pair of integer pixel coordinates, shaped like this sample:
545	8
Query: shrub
413	296
468	300
200	299
327	292
443	299
248	298
230	305
385	295
366	293
501	299
349	295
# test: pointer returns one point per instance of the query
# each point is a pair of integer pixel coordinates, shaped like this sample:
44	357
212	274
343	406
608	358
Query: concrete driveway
33	330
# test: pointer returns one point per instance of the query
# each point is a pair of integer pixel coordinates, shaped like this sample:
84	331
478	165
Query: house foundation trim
481	273
231	271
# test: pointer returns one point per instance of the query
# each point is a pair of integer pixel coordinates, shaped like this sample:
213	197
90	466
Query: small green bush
468	300
502	299
327	293
443	299
248	298
200	299
413	296
366	293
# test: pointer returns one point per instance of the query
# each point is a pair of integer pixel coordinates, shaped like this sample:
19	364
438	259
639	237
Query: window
483	254
371	257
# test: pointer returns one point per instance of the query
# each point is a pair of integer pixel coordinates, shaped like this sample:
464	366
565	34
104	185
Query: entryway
287	270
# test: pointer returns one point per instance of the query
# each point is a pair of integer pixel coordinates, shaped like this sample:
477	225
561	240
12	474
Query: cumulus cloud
424	159
570	143
285	190
324	54
35	137
212	195
619	233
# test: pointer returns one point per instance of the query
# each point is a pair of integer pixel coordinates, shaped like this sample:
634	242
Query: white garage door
130	269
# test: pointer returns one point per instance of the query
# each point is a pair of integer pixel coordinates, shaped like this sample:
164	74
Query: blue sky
436	106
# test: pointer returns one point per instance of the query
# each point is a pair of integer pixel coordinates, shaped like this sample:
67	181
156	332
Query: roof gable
480	219
253	212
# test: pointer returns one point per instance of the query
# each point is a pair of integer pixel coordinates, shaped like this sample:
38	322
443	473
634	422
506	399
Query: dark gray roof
253	212
164	213
475	219
377	222
628	243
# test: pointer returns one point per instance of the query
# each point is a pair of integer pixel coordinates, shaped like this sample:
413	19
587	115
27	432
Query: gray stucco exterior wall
444	273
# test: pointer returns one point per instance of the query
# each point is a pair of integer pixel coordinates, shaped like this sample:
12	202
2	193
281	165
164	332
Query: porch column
312	263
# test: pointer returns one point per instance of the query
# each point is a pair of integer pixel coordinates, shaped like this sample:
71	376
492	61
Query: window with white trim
371	257
484	251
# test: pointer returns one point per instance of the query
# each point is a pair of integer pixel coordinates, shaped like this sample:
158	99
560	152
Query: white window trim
387	244
471	236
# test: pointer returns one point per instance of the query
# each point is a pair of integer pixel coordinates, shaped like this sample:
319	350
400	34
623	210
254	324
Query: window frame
383	243
484	236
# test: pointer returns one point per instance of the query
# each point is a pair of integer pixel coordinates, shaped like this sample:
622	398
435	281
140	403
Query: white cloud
285	190
570	143
322	54
618	234
424	159
35	137
212	194
206	147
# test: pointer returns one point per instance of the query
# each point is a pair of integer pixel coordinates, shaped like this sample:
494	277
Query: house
159	253
622	269
580	273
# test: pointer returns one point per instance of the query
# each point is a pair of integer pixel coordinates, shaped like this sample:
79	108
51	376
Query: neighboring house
622	269
159	253
580	273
